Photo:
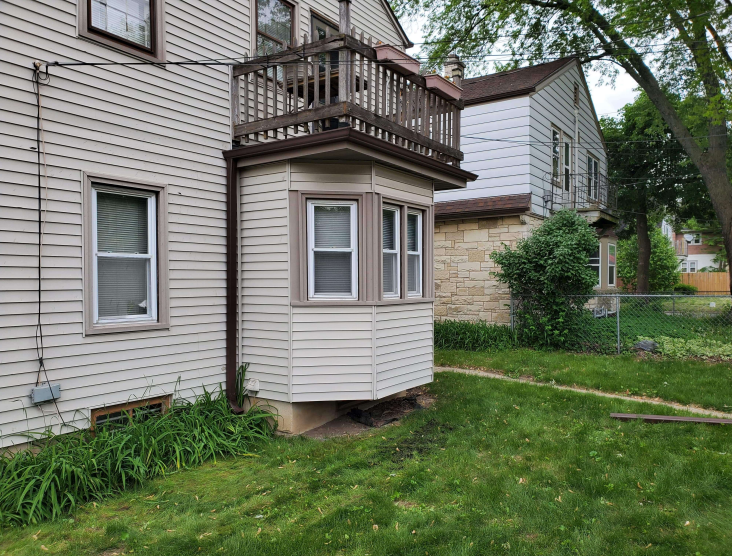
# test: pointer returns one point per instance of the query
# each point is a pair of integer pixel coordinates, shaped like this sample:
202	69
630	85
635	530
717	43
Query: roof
511	83
390	12
500	205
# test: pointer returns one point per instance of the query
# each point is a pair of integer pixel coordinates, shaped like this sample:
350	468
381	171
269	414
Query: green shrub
473	336
679	348
686	289
664	266
62	471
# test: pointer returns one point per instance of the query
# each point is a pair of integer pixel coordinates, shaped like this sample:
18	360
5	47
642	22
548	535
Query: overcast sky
608	99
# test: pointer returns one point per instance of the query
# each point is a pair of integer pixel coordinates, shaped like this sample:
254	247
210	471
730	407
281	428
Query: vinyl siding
402	186
404	347
264	280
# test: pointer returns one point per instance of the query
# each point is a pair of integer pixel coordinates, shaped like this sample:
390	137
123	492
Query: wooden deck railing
338	82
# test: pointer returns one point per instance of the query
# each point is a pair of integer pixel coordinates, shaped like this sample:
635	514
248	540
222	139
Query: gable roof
395	20
511	83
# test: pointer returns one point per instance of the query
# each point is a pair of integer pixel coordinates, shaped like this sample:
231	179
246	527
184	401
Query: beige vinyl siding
404	347
264	295
403	186
330	176
332	353
161	124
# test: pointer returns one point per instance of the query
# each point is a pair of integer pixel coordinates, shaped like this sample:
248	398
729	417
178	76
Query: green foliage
543	272
680	348
664	274
473	336
686	289
59	472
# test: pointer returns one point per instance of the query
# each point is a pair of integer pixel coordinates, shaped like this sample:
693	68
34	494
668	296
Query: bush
473	336
663	272
686	289
544	272
79	467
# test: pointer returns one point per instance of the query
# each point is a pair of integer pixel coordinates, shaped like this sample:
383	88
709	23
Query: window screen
124	237
390	248
332	261
127	19
414	253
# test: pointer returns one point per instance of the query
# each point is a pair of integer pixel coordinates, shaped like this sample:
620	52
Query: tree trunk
643	274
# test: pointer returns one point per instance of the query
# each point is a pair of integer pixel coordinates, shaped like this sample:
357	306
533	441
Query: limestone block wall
464	286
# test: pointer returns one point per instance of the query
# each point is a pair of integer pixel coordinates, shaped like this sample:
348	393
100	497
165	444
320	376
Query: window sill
91	36
116	327
354	303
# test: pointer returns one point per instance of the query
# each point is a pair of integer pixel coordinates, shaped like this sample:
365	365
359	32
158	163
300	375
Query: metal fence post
617	319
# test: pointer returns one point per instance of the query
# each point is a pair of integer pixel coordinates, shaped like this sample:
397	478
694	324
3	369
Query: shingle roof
486	206
505	84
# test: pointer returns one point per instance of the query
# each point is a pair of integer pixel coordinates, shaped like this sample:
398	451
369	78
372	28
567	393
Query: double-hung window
611	263
595	264
556	155
332	237
274	26
414	254
391	253
593	176
567	162
696	239
125	259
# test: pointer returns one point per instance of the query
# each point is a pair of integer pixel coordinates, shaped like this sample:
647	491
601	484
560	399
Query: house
696	249
211	185
533	138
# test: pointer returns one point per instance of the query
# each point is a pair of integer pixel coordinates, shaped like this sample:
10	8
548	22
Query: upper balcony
591	193
344	81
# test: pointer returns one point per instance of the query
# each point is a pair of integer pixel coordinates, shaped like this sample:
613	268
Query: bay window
332	237
414	254
390	251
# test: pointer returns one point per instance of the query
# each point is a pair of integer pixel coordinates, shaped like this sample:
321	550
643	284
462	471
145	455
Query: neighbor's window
595	264
688	266
274	26
555	156
390	250
593	176
697	239
124	243
332	249
611	258
414	254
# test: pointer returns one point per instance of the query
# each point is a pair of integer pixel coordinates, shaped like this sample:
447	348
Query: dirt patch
394	409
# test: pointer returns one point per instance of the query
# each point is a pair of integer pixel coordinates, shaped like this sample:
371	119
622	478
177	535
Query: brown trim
161	194
232	264
503	205
287	146
156	52
500	96
128	406
352	303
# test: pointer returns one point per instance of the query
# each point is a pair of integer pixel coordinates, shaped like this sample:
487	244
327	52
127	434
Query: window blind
121	223
390	249
332	272
127	19
414	255
122	287
332	226
333	250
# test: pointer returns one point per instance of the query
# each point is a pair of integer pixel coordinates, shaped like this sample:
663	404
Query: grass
492	468
684	381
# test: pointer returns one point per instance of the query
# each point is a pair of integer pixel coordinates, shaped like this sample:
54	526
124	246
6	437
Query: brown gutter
232	263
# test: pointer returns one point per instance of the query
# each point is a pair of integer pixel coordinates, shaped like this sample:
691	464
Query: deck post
344	58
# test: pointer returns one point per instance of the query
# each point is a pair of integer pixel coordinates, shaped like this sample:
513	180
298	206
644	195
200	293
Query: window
555	156
125	256
567	160
595	264
697	239
332	249
321	29
414	254
576	96
611	258
593	176
390	249
688	266
274	26
135	26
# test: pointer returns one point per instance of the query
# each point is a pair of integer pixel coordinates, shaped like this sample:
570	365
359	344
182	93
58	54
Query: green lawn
493	468
684	381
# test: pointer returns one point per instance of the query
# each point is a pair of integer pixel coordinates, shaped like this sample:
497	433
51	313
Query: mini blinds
414	254
126	19
611	258
124	250
595	264
274	26
332	253
390	249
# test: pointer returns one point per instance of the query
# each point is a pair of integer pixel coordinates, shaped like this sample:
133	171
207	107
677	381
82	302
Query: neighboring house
534	140
170	258
694	249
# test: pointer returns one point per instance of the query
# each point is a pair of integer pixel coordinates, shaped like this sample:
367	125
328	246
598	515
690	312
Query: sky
607	97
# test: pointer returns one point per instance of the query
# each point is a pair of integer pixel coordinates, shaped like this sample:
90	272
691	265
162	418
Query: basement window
127	413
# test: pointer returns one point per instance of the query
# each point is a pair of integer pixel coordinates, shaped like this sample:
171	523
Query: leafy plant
58	472
686	289
664	265
473	336
679	348
545	272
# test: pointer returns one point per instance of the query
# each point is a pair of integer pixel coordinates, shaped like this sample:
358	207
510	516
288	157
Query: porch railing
579	191
338	82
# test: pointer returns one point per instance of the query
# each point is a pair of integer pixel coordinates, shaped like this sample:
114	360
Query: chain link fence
700	325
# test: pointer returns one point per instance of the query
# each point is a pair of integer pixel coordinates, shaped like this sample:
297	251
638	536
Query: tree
663	268
712	238
654	180
545	270
671	46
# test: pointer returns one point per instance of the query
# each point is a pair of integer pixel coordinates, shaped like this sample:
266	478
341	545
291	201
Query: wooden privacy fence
707	281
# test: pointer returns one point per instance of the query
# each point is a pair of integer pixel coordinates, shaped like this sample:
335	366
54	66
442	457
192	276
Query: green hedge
473	336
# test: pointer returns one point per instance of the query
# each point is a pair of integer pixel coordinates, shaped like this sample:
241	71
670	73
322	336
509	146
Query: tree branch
720	45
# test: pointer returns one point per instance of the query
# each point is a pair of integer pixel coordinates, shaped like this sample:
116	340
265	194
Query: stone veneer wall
464	286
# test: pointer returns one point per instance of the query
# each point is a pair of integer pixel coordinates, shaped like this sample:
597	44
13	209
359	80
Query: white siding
332	354
404	347
138	122
264	281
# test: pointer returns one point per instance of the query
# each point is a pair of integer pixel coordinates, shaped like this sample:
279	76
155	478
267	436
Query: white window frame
697	239
593	176
311	204
396	251
567	163
556	157
689	265
599	267
614	266
151	256
418	292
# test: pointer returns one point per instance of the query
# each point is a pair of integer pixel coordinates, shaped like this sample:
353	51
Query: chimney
454	68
